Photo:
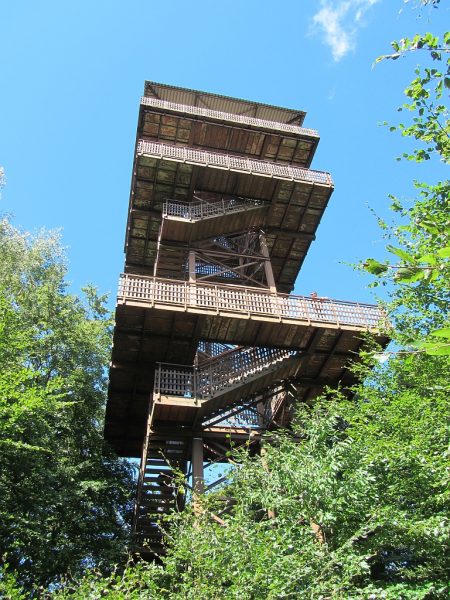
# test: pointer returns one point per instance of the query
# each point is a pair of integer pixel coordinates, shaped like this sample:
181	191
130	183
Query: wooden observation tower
210	347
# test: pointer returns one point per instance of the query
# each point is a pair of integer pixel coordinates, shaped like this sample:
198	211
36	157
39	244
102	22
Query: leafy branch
431	125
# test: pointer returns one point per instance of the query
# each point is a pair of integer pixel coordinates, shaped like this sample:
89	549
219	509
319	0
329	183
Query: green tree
63	494
360	492
420	269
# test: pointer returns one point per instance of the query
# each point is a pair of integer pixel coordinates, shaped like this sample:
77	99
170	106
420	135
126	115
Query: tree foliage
62	493
360	495
430	124
420	270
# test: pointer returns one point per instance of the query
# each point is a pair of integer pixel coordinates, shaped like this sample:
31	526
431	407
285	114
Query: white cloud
339	21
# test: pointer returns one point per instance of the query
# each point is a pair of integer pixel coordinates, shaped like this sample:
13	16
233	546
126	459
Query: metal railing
203	209
217	374
234	299
233	163
224	116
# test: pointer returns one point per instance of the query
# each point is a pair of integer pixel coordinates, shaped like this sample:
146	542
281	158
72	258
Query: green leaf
429	259
439	350
375	267
409	275
401	253
444	332
444	252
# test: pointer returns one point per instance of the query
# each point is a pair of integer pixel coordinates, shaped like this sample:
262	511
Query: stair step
167	471
162	496
158	498
148	528
156	489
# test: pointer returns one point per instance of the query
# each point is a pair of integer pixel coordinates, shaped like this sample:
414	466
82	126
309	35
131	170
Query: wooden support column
191	264
198	479
267	264
192	278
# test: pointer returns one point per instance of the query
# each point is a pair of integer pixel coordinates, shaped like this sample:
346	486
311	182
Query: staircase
157	493
210	216
220	381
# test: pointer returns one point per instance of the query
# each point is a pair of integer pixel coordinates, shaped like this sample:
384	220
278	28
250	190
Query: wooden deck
226	104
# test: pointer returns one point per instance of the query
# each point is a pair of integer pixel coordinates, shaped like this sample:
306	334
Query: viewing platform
292	201
160	320
240	134
230	162
247	303
226	118
226	104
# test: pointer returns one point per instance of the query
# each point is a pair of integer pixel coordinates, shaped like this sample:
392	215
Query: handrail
226	298
218	374
224	116
202	209
231	162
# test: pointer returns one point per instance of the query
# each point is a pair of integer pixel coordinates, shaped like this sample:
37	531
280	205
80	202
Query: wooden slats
215	160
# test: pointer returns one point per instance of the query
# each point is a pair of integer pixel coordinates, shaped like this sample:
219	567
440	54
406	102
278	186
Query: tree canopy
63	494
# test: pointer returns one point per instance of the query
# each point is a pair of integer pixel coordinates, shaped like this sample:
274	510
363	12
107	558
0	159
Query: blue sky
72	74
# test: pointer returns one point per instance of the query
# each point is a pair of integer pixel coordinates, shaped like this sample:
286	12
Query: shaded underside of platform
216	131
290	220
144	336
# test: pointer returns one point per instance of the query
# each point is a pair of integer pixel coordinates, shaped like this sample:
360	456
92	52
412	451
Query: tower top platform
225	104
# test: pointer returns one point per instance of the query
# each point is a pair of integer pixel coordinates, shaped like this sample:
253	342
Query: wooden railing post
192	279
158	380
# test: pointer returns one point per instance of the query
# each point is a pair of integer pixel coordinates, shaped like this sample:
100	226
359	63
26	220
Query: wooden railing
217	374
232	163
224	116
248	301
202	209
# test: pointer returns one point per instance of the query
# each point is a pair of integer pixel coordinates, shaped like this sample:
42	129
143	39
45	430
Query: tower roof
236	106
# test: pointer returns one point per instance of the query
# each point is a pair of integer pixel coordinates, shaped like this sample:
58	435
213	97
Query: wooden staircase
157	495
218	382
